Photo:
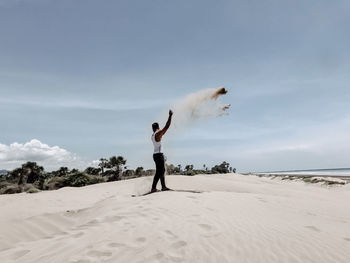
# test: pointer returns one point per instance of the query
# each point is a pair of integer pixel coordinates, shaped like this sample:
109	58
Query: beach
234	218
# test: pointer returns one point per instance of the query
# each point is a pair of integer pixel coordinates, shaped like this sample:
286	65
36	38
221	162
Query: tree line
32	178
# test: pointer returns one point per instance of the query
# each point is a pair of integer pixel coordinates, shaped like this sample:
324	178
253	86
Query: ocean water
323	172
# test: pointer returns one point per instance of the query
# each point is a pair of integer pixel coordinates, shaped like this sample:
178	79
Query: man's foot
166	189
154	190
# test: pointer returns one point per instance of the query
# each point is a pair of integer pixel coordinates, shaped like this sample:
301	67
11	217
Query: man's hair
155	126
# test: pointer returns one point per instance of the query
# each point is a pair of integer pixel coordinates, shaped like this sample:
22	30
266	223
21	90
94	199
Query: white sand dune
236	219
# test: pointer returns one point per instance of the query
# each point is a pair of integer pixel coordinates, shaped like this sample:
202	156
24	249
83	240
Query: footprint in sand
170	234
179	244
262	200
78	234
141	239
92	222
116	245
347	239
313	228
115	218
97	253
81	261
20	253
205	227
158	256
208	230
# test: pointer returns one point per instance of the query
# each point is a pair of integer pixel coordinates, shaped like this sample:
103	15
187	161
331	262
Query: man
158	156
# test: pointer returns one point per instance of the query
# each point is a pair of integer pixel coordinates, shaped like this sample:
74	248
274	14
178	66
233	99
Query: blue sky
91	76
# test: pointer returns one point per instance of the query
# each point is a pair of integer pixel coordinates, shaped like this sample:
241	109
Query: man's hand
160	134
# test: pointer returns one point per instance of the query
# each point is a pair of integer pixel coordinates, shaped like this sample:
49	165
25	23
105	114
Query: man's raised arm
166	127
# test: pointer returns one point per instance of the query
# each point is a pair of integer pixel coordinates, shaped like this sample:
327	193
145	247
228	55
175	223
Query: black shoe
154	190
166	189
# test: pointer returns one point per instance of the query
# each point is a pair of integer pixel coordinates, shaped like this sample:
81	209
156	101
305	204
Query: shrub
96	179
33	190
26	187
190	172
4	184
222	168
81	179
30	188
112	175
307	180
10	189
55	183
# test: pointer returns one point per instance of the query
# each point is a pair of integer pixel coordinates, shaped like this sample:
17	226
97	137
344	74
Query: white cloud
51	157
94	163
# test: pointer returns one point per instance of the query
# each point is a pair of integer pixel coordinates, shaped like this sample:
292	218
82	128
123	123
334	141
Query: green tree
222	168
33	171
41	180
17	175
170	168
62	171
116	163
93	170
189	167
129	173
179	168
103	164
139	171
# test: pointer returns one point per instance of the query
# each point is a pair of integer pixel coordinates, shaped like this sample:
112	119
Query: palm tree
103	164
205	168
189	167
115	163
179	167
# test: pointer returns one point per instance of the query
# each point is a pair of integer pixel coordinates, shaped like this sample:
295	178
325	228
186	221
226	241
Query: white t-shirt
157	145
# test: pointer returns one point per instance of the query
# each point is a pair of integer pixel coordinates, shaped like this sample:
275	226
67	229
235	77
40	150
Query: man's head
155	126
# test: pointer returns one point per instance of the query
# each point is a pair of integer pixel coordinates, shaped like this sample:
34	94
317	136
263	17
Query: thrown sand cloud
200	105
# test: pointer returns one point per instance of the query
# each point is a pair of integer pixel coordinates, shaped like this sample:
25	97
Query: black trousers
160	170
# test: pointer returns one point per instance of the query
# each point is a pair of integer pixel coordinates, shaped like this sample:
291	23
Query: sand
237	218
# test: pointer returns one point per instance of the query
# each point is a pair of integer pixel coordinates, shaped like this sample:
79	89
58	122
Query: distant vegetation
222	168
32	178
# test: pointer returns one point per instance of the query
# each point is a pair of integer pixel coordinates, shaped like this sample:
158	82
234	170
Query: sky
85	79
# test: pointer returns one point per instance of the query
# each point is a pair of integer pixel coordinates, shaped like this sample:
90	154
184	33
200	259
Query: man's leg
157	175
155	181
162	172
